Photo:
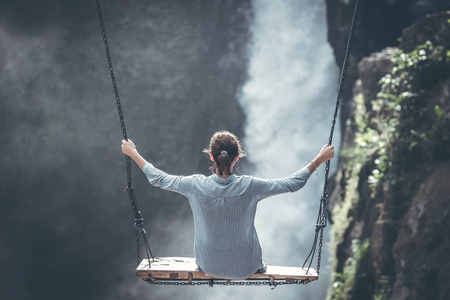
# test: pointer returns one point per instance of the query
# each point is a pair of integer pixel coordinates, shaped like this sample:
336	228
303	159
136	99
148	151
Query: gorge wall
390	201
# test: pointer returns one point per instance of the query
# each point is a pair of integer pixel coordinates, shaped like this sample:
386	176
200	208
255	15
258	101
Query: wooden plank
184	268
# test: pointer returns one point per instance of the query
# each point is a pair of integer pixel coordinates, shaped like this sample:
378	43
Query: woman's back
226	242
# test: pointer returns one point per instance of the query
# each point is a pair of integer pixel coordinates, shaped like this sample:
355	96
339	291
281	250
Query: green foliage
383	289
344	282
372	139
397	123
345	210
439	112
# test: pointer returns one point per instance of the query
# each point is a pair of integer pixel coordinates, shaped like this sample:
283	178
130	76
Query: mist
261	69
289	101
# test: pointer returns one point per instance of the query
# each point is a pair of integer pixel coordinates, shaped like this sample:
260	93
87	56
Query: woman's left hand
128	147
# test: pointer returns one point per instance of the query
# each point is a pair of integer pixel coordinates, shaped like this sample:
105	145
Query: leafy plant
344	282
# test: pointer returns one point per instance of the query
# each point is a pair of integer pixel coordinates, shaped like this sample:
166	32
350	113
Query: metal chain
138	248
139	221
322	215
111	69
224	282
319	252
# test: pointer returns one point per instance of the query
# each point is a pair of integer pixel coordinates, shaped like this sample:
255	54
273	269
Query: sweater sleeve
159	178
264	188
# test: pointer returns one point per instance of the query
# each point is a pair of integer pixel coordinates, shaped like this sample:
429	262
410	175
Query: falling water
288	101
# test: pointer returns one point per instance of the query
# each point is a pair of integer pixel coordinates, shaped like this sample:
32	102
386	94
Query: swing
184	271
179	269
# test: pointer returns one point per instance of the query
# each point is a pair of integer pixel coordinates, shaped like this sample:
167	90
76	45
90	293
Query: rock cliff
390	202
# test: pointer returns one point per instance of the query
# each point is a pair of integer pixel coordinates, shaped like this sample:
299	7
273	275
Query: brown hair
222	141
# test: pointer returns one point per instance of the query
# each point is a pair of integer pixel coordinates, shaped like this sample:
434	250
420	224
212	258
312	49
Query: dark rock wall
380	25
390	203
421	251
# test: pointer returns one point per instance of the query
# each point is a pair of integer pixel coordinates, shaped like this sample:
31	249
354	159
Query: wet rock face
400	210
380	24
422	248
433	28
371	69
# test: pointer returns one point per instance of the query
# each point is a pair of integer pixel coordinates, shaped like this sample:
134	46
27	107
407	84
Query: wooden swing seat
185	269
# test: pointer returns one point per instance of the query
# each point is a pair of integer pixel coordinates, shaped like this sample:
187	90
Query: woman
224	205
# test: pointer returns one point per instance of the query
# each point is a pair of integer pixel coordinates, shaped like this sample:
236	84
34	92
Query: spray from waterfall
288	101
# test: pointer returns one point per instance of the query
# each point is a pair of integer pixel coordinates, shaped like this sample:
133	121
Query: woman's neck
224	176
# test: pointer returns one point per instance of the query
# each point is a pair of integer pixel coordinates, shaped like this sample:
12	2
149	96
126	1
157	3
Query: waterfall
289	102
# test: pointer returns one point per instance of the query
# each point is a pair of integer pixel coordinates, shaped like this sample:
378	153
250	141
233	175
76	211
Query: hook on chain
139	223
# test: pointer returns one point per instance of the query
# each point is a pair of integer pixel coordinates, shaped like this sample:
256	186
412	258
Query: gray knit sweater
226	243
